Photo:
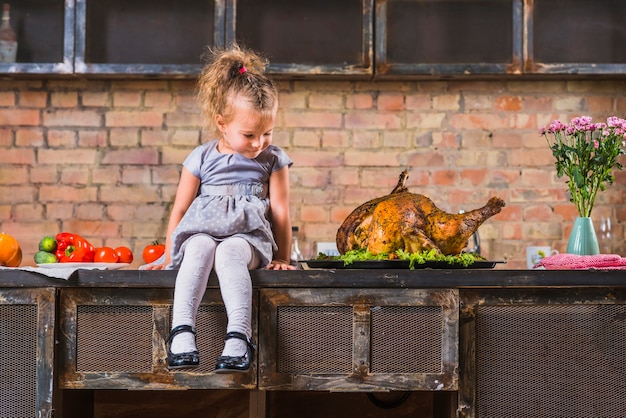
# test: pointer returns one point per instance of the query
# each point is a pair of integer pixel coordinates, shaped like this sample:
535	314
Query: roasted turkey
410	222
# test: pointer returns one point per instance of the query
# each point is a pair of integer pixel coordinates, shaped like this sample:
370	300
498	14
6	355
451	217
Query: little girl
231	211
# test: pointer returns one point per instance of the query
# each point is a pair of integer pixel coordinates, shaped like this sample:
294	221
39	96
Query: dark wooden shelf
355	39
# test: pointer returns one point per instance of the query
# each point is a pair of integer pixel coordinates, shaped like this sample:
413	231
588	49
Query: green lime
48	244
44	257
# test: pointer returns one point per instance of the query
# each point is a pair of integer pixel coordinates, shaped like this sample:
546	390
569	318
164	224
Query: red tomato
153	252
105	255
124	255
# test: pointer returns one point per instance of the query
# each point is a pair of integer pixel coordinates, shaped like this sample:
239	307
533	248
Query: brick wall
102	157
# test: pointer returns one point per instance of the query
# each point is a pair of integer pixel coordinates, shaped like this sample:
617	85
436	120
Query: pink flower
554	127
616	122
586	153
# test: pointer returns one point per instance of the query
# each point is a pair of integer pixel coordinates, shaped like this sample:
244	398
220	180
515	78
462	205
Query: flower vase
583	239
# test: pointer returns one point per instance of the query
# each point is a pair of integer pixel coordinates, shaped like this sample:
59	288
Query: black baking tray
396	264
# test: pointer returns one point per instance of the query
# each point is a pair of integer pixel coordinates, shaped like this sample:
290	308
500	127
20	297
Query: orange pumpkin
10	251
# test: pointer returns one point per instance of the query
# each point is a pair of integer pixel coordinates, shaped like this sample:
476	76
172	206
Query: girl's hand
280	265
158	264
155	266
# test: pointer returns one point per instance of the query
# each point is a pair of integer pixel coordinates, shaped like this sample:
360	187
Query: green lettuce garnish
464	259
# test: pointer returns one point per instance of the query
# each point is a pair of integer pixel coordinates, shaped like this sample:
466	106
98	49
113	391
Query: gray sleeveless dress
233	199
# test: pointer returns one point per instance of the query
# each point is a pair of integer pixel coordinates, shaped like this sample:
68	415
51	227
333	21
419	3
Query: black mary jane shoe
181	360
236	364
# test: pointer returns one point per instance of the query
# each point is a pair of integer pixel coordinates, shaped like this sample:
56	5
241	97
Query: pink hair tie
242	70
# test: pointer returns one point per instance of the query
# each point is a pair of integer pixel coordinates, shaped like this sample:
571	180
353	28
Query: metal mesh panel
406	339
211	329
551	361
113	338
314	339
18	366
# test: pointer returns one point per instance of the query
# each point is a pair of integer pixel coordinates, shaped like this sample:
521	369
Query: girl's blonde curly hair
234	73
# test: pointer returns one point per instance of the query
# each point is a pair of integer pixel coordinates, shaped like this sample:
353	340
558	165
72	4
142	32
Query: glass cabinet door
314	37
146	36
577	36
45	36
448	37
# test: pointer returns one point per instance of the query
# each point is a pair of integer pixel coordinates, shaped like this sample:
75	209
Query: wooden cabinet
357	39
547	352
358	340
459	343
309	339
112	341
27	333
116	339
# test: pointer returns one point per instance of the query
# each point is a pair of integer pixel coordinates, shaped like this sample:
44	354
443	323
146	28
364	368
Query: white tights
232	259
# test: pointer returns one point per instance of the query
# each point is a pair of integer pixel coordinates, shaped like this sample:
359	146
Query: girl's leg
234	257
191	282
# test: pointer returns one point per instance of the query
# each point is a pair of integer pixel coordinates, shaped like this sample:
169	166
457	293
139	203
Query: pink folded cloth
583	262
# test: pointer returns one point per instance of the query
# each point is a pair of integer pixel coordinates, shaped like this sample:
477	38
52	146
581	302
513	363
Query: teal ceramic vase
583	239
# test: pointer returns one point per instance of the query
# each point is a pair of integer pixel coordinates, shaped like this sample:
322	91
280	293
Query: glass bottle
296	254
473	244
8	40
605	239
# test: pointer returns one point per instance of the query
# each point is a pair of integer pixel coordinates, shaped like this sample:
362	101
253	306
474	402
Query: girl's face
247	132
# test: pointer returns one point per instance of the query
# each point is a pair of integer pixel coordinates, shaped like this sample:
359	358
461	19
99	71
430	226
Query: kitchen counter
465	343
351	278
